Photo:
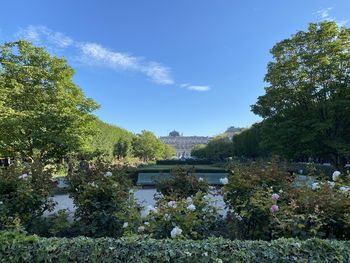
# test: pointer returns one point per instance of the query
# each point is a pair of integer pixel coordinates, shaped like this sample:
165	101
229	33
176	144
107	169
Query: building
183	144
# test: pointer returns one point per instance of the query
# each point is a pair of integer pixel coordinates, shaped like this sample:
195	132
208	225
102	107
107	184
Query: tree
217	149
122	148
106	138
249	143
168	151
147	146
307	103
43	114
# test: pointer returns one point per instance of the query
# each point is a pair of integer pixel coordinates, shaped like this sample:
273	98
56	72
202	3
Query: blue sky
191	65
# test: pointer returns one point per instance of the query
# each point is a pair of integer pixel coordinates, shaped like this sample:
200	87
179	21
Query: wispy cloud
325	14
95	54
195	87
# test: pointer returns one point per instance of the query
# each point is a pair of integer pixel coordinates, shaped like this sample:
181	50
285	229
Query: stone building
183	144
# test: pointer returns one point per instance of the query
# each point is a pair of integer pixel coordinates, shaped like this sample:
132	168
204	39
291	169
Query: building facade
183	144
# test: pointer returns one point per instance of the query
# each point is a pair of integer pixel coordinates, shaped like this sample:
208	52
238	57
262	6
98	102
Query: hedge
21	248
183	162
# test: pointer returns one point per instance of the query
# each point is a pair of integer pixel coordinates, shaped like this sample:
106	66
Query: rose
335	175
191	207
274	209
275	197
224	180
175	232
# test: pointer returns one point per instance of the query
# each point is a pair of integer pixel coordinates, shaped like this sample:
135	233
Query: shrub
194	217
20	248
181	184
322	210
24	194
102	198
248	197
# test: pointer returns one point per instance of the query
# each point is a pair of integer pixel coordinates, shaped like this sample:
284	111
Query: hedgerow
16	247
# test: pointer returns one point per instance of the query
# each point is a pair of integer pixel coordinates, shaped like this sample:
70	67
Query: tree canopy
43	114
306	105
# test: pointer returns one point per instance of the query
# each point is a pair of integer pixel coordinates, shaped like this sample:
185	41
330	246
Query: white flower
224	180
125	225
150	209
191	207
335	175
172	204
315	186
1	202
146	223
175	232
200	179
158	195
344	189
189	200
108	174
280	191
167	217
93	184
141	229
23	176
331	184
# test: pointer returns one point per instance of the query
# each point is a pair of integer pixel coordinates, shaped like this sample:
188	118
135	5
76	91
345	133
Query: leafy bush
322	210
181	184
248	197
266	202
20	248
183	162
194	217
102	199
24	194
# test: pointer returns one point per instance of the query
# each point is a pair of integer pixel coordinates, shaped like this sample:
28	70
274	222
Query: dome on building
174	133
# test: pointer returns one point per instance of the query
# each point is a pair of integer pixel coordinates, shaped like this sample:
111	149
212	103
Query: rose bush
103	200
25	191
193	217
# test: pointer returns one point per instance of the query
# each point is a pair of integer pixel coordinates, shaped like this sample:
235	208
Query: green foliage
148	147
248	143
107	136
307	102
248	196
16	247
24	194
43	114
181	184
102	198
322	212
218	149
196	217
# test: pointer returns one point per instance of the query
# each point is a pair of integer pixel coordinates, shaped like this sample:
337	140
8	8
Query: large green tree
43	114
306	106
147	147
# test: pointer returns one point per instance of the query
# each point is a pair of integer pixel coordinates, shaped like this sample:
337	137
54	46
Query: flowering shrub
182	183
320	211
24	194
102	199
194	217
251	195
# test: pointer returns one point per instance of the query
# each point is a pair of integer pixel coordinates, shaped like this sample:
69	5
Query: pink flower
275	197
274	209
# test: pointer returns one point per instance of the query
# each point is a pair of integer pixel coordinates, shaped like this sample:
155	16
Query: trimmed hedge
183	162
20	248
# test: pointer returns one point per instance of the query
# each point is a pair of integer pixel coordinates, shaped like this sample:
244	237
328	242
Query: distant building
183	144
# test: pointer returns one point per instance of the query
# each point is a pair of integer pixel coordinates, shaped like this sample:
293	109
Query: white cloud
94	54
42	34
195	87
324	14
